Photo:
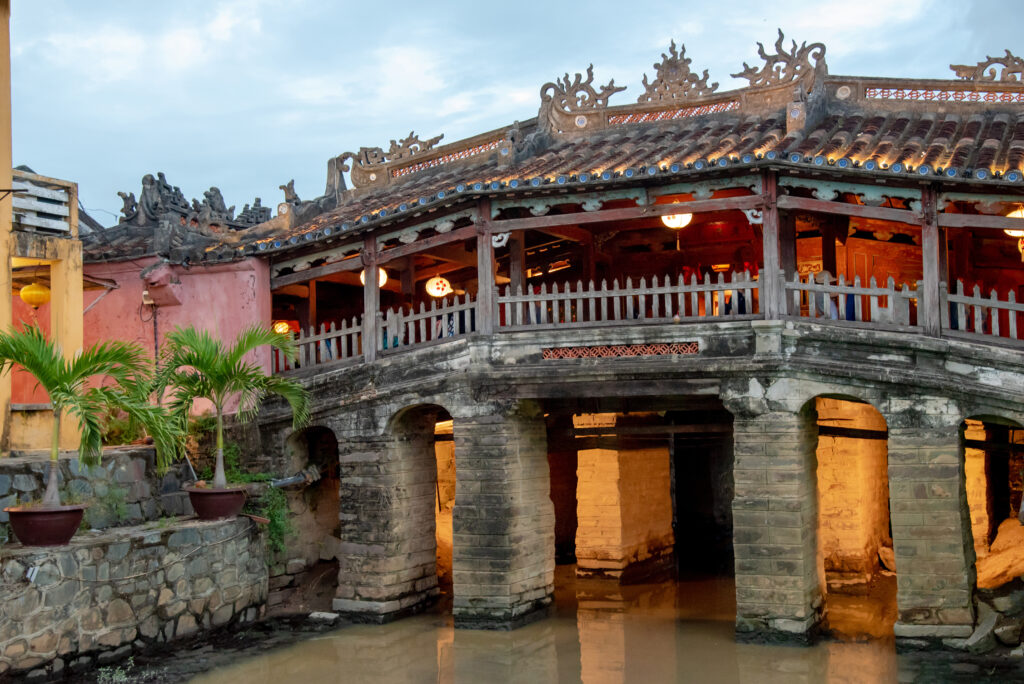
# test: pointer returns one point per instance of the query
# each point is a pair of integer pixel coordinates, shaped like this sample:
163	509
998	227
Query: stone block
5	484
25	483
1008	631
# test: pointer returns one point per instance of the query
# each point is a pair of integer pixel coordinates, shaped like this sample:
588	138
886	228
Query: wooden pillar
787	243
371	299
409	281
928	298
517	260
312	307
484	270
773	302
832	228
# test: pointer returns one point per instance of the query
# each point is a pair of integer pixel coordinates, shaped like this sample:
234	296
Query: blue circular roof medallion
561	180
819	161
277	243
1013	176
952	172
294	239
771	154
513	183
535	182
723	162
870	165
495	185
364	219
674	168
699	164
795	157
584	177
403	207
441	195
747	158
328	230
423	200
263	246
606	175
504	151
896	168
843	163
478	186
346	226
629	173
382	213
924	170
651	170
981	174
460	187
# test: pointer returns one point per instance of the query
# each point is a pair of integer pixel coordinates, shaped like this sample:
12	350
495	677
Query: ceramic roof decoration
793	113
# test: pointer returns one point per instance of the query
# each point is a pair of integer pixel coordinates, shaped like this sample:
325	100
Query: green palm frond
107	375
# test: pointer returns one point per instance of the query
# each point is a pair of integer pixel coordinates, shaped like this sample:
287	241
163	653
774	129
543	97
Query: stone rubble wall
126	476
104	595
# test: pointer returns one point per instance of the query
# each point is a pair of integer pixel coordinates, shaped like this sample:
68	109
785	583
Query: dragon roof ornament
364	171
565	107
674	80
1013	69
784	67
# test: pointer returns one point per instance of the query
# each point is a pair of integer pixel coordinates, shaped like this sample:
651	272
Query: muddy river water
598	634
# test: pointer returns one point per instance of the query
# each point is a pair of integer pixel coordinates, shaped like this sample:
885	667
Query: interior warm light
677	221
559	266
35	294
282	327
1017	213
438	287
382	277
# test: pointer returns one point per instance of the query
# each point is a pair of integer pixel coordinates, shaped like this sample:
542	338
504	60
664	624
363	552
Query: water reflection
600	634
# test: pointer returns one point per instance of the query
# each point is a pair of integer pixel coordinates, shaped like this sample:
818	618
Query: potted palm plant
196	365
108	375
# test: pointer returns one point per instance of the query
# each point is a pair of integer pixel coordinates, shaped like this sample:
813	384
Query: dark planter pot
215	504
45	526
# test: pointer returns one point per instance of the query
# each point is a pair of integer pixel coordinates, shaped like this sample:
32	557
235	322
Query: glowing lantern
382	277
35	295
438	287
282	327
1017	213
677	221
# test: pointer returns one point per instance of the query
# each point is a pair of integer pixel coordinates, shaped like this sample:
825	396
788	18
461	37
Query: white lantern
382	277
677	221
438	287
1017	213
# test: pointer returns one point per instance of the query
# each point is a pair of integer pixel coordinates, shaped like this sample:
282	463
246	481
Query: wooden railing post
484	270
371	299
928	314
774	292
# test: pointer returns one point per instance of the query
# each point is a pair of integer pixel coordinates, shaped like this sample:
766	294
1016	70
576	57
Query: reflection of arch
993	457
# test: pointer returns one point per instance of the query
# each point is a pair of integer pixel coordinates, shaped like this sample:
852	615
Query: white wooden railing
331	345
443	319
586	304
837	300
976	316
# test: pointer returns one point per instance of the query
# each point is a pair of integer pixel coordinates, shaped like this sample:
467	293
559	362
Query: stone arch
993	460
428	465
856	560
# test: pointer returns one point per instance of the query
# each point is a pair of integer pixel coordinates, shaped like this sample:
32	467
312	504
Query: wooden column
832	229
484	270
409	281
787	243
312	317
517	261
773	302
928	314
371	299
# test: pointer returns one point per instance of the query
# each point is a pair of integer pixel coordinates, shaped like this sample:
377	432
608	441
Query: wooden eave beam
543	223
857	210
979	221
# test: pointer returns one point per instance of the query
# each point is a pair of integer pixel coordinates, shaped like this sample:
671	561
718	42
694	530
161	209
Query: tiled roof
952	147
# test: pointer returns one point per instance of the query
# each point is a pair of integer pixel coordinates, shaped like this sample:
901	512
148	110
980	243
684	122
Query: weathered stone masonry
98	598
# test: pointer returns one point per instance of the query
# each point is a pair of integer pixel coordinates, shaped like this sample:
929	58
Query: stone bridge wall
766	373
95	600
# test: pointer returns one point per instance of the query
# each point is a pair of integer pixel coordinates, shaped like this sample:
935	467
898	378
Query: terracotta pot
215	504
45	526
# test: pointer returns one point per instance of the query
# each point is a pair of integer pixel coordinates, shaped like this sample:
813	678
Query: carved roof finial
674	79
569	97
784	67
1013	69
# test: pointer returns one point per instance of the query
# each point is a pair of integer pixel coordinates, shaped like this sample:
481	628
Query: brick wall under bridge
766	374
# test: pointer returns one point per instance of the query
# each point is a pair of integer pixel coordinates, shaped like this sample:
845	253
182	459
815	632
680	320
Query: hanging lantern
35	295
1017	213
1020	247
282	327
382	277
438	287
676	221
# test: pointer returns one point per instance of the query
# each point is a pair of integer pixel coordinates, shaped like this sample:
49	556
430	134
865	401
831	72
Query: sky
247	95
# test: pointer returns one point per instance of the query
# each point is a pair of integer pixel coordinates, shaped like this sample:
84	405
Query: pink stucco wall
223	299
